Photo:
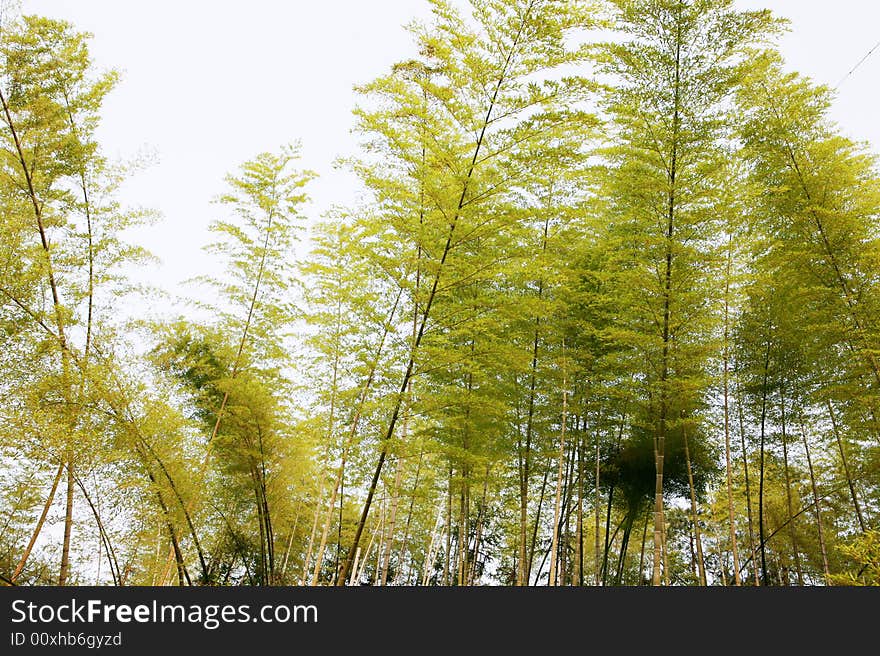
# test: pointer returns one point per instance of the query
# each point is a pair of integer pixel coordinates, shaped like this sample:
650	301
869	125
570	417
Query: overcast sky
207	85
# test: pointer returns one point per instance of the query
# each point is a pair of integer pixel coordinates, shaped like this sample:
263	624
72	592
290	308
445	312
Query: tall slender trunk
843	460
608	509
789	507
693	553
378	530
524	461
409	515
481	517
818	512
431	553
579	530
629	520
340	474
37	206
642	553
664	553
745	457
331	509
535	526
318	504
660	451
415	331
263	571
156	556
182	574
382	525
701	566
338	552
39	527
566	512
126	418
726	376
463	529
564	542
352	432
448	555
554	543
722	565
289	544
104	539
465	490
454	550
525	453
262	487
764	393
98	558
392	522
612	536
144	448
68	514
597	503
68	518
354	568
432	295
608	538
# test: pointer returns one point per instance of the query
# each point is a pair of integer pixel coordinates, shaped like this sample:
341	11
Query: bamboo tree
748	491
533	27
51	99
669	127
554	299
788	501
554	544
846	471
816	502
726	391
694	516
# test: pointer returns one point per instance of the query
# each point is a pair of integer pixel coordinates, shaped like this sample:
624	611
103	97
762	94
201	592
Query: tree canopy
604	314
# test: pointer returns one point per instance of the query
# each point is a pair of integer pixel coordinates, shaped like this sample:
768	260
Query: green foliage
579	269
864	551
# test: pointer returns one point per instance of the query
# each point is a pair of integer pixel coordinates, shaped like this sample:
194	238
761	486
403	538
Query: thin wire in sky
857	66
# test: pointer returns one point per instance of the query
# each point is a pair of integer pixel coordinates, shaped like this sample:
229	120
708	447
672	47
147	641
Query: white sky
207	85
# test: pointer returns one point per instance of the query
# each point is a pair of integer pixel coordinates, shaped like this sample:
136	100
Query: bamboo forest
606	312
